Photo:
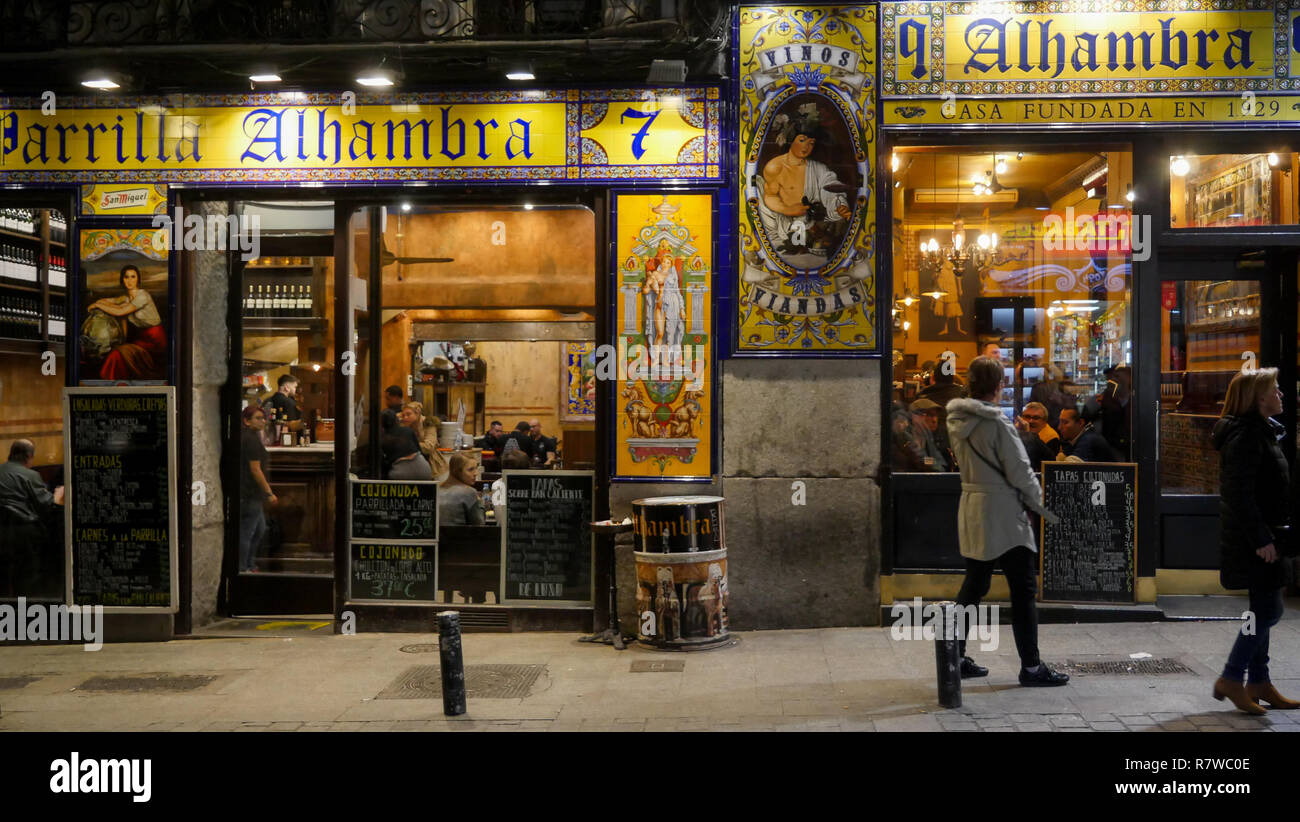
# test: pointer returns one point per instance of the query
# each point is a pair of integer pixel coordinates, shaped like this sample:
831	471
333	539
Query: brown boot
1266	692
1236	692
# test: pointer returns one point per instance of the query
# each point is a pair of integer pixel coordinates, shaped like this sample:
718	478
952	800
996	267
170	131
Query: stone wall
210	346
816	422
789	566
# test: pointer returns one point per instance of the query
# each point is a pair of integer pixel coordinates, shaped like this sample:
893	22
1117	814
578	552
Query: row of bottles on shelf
278	300
20	264
20	319
26	221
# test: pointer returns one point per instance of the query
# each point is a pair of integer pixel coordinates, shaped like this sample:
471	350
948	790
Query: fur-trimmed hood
965	413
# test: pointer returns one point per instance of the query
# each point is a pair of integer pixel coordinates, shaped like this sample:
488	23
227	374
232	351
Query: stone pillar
802	430
210	342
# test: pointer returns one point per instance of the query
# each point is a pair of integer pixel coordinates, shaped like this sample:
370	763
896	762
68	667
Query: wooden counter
300	536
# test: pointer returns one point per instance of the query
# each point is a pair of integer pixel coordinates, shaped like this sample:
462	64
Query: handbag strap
998	468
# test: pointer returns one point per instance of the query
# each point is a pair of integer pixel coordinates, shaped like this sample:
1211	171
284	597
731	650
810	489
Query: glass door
280	559
1216	318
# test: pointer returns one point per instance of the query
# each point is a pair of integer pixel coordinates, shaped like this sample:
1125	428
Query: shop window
1220	190
1208	329
1024	256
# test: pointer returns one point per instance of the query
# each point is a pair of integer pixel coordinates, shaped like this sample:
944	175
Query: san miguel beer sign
807	211
1082	61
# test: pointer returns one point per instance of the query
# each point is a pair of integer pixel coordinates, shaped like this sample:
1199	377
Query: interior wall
31	406
523	383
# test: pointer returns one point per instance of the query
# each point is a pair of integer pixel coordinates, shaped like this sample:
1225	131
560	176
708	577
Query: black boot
969	670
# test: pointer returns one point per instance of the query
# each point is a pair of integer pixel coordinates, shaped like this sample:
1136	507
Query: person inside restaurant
282	402
25	503
1080	441
458	499
544	447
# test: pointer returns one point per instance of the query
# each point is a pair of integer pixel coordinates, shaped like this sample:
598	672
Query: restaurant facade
865	199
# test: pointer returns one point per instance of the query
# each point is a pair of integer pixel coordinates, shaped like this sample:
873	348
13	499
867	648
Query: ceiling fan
387	258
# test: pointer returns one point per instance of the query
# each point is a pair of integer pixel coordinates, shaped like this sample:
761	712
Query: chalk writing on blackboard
1089	556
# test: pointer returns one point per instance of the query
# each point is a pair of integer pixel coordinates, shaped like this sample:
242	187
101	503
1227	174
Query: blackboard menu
386	571
1090	555
546	541
394	510
119	465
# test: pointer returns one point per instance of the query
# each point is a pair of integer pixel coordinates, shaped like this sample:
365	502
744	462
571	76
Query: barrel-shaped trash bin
666	525
681	572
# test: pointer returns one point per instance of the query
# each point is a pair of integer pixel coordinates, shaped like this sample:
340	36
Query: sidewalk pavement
295	676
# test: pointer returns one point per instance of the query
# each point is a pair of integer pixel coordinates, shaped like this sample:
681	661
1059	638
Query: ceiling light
898	183
1272	159
1042	208
406	206
102	82
1092	192
894	162
1020	155
1000	166
1114	206
528	206
264	78
1179	166
520	74
1130	194
376	77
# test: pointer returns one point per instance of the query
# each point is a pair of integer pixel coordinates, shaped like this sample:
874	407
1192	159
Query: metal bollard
453	664
947	662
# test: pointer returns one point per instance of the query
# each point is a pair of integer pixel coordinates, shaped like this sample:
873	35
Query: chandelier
983	254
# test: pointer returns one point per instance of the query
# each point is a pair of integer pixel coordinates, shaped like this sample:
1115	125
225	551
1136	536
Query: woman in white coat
993	525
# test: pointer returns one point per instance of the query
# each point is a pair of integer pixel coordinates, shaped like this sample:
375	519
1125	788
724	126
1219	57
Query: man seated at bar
458	500
925	422
282	403
24	504
401	449
1040	439
393	399
544	447
520	439
1080	441
495	439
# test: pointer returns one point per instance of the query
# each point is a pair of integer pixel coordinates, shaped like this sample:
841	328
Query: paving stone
1139	720
1177	725
994	722
1067	720
1108	726
1034	727
960	726
1000	729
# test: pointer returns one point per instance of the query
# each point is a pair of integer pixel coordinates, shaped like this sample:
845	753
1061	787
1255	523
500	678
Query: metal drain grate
481	682
13	683
420	648
646	666
169	683
1122	667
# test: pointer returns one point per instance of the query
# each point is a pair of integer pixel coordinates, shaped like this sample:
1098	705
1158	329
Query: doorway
1217	316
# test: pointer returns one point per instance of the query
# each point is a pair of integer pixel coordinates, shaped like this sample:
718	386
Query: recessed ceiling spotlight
103	82
406	206
375	78
1272	160
528	206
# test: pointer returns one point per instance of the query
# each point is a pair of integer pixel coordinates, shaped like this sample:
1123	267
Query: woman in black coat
1253	517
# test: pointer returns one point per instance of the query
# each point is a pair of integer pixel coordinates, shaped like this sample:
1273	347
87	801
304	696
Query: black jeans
1249	653
1022	578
